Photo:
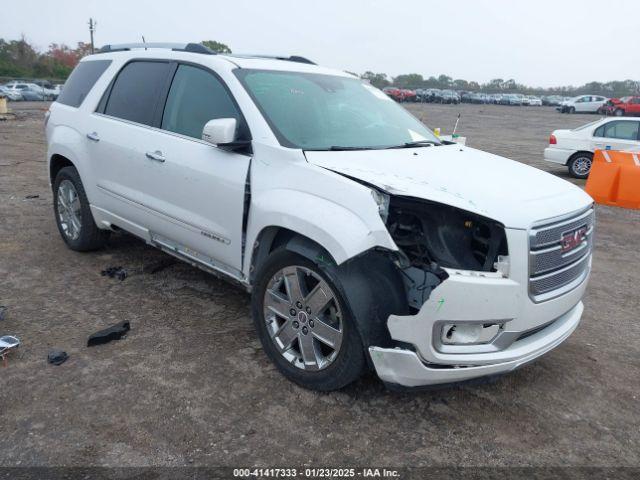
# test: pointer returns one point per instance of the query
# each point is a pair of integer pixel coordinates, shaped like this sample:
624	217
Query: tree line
20	59
617	88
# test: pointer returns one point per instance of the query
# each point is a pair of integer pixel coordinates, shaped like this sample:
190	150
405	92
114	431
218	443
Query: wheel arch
370	283
56	163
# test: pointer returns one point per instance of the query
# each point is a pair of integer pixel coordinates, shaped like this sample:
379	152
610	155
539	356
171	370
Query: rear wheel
304	323
73	214
580	165
571	110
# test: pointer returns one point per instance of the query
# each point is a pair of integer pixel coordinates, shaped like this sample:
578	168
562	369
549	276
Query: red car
622	106
400	94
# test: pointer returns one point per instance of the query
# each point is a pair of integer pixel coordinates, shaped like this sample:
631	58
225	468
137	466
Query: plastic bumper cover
405	368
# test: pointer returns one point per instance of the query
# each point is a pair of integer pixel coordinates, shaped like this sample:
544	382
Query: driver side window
196	96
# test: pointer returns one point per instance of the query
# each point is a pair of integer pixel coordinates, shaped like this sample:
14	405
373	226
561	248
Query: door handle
157	156
93	136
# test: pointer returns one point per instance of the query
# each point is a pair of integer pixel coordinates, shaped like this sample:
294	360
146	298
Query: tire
285	334
618	112
73	214
580	165
571	110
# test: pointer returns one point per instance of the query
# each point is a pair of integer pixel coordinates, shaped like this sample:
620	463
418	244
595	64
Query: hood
505	190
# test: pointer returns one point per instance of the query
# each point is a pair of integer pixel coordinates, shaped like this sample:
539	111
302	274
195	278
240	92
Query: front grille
552	272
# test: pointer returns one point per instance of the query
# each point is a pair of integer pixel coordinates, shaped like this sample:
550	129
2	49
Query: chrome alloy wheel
69	209
303	318
582	165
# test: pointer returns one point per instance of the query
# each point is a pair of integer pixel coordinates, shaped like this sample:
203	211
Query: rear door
120	134
617	135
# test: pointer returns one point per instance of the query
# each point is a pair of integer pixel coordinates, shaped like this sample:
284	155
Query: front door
197	187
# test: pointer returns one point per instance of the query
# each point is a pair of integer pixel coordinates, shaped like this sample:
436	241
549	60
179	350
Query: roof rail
178	47
291	58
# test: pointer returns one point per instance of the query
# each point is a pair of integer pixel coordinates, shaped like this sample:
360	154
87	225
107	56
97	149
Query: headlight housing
429	232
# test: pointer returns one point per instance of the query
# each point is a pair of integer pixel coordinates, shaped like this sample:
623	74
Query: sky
536	42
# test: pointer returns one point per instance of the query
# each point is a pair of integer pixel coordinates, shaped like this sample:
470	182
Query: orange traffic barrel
615	178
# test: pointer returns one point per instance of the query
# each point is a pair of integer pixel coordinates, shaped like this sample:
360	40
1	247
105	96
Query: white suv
365	241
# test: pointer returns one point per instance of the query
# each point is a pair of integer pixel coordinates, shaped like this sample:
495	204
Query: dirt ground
190	384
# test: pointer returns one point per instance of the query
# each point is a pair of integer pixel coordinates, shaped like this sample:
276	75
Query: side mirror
220	131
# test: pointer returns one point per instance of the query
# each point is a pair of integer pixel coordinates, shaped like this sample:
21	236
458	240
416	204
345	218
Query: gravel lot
190	384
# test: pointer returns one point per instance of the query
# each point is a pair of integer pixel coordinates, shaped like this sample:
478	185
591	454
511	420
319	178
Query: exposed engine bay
431	236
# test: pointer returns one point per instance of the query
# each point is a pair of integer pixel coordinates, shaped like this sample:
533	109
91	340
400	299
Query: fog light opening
469	333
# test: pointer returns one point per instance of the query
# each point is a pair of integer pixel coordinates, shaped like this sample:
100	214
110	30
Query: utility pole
92	28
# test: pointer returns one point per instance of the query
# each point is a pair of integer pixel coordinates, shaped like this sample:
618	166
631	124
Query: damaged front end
455	268
432	237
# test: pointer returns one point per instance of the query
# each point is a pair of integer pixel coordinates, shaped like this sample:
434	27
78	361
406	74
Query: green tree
216	46
378	80
410	80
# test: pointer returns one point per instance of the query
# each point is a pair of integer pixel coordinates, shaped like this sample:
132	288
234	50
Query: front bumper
530	327
405	368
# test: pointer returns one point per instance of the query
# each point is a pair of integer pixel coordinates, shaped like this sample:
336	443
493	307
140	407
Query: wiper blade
418	143
338	148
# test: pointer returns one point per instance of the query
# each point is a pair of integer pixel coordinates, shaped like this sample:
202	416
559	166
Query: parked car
13	95
511	99
27	90
534	101
447	96
621	106
394	93
33	94
408	95
345	217
574	148
582	104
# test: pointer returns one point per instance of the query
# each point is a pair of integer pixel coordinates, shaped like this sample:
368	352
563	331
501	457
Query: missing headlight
429	232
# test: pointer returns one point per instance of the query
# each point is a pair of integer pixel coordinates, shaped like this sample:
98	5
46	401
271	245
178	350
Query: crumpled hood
505	190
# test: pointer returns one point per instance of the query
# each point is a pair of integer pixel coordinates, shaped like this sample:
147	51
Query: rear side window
81	81
136	91
196	96
622	130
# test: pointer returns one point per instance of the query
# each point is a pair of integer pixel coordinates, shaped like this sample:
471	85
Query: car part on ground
115	332
57	357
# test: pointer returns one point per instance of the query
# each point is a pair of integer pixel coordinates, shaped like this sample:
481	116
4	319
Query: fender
340	231
69	143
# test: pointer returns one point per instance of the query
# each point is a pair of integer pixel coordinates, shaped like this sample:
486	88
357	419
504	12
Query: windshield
323	112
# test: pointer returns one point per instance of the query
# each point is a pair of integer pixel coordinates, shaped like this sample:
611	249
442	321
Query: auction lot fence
324	473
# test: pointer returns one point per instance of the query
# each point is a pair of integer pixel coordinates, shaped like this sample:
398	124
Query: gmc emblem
573	239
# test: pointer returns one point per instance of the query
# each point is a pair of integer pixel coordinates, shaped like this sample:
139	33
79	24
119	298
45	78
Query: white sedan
574	148
583	104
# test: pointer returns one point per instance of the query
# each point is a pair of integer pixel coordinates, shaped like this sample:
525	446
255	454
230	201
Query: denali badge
573	239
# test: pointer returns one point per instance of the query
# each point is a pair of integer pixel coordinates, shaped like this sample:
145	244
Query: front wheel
571	110
618	112
580	165
304	323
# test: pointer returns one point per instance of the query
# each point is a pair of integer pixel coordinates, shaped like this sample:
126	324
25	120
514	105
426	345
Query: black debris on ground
3	312
28	197
57	357
116	332
114	272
